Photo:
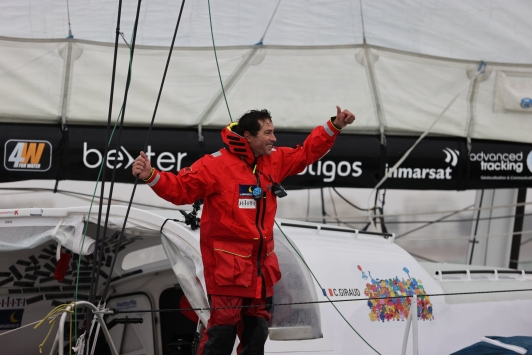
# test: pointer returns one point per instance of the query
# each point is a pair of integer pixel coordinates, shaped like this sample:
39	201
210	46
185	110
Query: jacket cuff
154	178
331	129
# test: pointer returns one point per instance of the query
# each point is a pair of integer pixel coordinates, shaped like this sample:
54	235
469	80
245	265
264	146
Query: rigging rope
53	314
426	213
104	294
109	137
68	15
217	65
349	202
99	244
319	302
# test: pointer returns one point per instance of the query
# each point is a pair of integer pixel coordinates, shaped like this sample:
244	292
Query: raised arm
317	144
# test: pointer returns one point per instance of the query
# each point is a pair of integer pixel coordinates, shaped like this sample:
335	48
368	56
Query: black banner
47	152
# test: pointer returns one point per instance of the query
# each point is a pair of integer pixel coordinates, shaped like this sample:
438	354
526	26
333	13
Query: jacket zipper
260	238
257	216
263	211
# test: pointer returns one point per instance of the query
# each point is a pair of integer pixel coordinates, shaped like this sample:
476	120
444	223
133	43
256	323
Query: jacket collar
236	144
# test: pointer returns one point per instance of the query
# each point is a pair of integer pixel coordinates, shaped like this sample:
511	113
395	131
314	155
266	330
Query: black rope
381	211
166	220
117	145
104	294
316	302
98	245
349	202
474	241
323	212
334	207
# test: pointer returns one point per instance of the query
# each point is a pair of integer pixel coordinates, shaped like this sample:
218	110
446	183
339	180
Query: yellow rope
53	314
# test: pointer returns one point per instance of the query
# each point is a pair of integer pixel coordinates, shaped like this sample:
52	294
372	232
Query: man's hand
343	118
142	167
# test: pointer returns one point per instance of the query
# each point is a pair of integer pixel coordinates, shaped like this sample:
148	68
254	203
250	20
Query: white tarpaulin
33	230
297	58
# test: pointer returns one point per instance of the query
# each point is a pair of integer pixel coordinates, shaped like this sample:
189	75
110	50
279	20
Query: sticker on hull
395	308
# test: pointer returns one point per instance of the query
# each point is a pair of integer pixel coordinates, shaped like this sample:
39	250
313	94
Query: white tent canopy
395	65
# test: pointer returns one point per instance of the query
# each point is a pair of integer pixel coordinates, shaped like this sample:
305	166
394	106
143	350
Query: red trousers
249	323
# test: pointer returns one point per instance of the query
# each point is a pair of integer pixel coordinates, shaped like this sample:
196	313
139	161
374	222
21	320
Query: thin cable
525	242
68	15
125	41
316	279
432	222
501	235
334	206
429	213
323	212
308	203
474	241
217	65
348	202
362	20
19	328
317	302
269	23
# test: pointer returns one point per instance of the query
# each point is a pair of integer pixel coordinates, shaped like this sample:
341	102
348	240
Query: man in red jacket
240	185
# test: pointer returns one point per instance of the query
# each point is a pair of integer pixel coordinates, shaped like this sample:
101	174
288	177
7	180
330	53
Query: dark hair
250	122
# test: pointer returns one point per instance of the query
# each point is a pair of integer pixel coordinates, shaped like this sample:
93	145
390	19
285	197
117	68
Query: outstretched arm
185	187
317	144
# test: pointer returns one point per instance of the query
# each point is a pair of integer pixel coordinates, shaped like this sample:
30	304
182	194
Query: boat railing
482	275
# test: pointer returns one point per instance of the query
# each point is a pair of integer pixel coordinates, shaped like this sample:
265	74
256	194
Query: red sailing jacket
236	233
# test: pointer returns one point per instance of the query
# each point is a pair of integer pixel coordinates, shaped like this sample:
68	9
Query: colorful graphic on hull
396	309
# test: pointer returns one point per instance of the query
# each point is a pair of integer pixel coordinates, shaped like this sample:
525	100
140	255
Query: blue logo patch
10	318
529	161
257	191
126	304
246	190
526	102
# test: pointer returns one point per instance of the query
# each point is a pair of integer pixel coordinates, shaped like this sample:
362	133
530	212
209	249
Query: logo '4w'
27	155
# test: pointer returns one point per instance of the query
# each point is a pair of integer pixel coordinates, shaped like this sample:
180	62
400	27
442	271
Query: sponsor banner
47	152
500	164
30	151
